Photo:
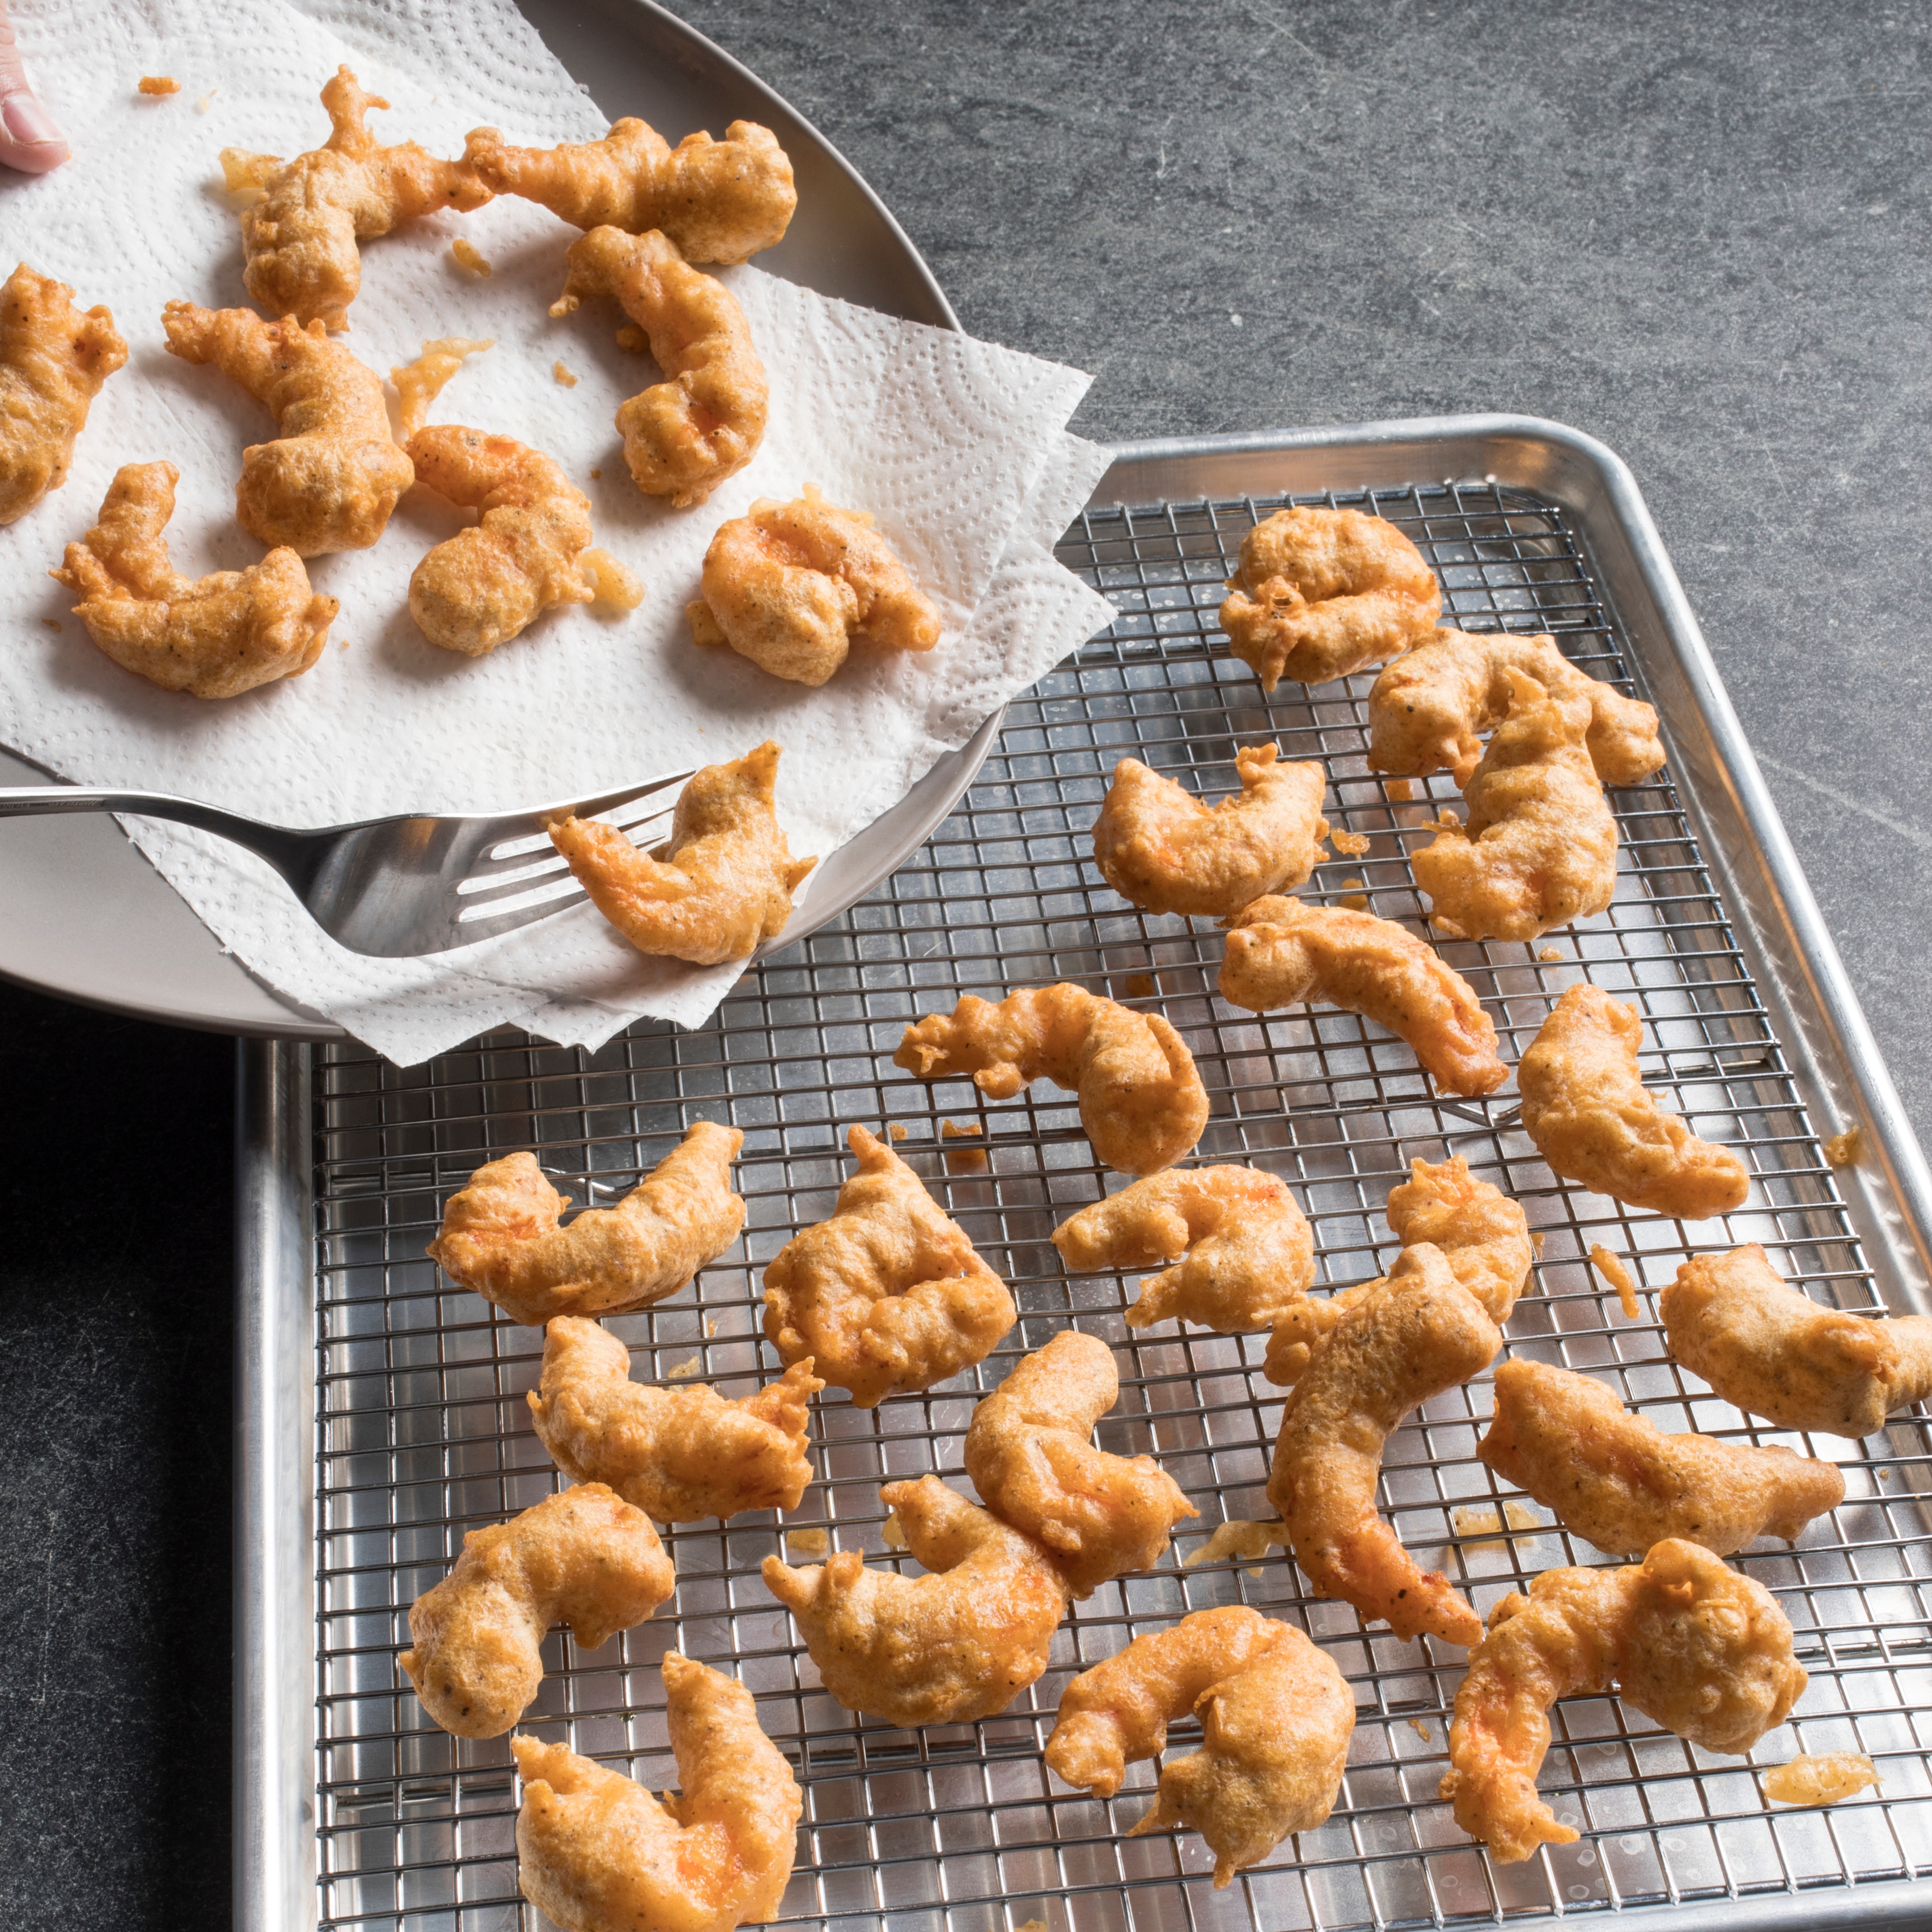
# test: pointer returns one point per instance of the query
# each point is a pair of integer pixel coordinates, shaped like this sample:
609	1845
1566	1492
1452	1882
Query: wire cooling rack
423	1432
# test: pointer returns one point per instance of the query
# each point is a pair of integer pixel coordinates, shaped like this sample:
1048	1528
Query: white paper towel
957	446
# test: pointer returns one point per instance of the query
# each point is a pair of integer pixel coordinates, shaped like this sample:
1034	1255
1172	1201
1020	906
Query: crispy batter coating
1320	593
53	361
1029	1453
595	1851
943	1649
1426	710
212	637
704	421
1141	1101
499	1235
719	201
300	237
1619	1482
1275	1718
724	885
1248	1255
1540	849
1280	952
419	383
1700	1650
680	1455
791	586
585	1558
333	474
1160	846
1592	1119
1766	1348
888	1296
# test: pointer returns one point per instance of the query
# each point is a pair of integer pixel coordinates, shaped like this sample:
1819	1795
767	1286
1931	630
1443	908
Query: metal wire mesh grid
423	1431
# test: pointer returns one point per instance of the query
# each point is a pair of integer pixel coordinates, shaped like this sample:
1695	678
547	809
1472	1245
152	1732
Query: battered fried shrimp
1029	1452
888	1296
595	1851
680	1455
1586	1110
1766	1348
500	1236
213	637
704	421
719	201
1159	846
1426	710
1141	1101
585	1558
53	361
1700	1650
1249	1255
1483	1234
1320	593
1540	849
725	884
1280	952
1275	1718
791	586
333	474
300	237
943	1649
1619	1482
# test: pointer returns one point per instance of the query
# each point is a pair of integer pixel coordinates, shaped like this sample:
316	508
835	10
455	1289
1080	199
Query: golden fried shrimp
212	638
1320	593
1483	1234
1397	1342
1770	1350
944	1649
1248	1255
1141	1101
300	237
1694	1647
585	1558
1275	1717
680	1455
1591	1118
1619	1482
595	1851
1280	952
1540	849
333	474
725	884
888	1296
1029	1453
791	587
500	1236
719	201
53	361
704	421
1160	847
1426	710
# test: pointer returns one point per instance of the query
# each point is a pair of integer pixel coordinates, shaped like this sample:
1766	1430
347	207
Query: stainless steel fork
394	888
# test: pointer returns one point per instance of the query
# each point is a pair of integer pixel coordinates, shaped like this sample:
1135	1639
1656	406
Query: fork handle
282	848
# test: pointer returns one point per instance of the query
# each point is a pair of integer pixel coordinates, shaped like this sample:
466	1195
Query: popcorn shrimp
53	361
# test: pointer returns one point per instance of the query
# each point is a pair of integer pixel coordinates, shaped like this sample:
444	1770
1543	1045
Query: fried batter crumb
893	1532
1550	953
1820	1781
1416	1724
563	375
633	338
960	1130
204	102
1843	1150
1240	1538
1399	789
1356	901
618	586
963	1160
1350	844
809	1542
596	476
159	83
1489	1527
897	1130
467	255
710	1328
1612	1268
1446	816
1032	1925
52	623
678	1371
1140	986
243	169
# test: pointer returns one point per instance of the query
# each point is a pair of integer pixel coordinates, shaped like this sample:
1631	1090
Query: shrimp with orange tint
53	361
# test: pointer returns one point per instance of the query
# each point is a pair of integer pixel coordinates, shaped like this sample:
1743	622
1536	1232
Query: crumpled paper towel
957	446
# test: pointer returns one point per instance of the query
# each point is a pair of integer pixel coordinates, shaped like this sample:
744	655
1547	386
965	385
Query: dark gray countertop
1695	231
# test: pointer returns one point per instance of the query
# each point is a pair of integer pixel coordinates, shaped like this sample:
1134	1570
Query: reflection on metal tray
422	1433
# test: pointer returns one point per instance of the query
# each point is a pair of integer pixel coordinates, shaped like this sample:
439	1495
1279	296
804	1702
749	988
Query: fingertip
30	140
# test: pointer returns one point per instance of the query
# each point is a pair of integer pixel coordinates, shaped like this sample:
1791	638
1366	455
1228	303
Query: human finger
29	140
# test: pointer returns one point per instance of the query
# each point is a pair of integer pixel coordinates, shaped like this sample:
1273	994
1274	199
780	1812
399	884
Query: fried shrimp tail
500	1236
596	1852
214	637
1275	1717
1247	1254
1141	1101
1281	952
1694	1647
1158	846
53	361
888	1296
945	1649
